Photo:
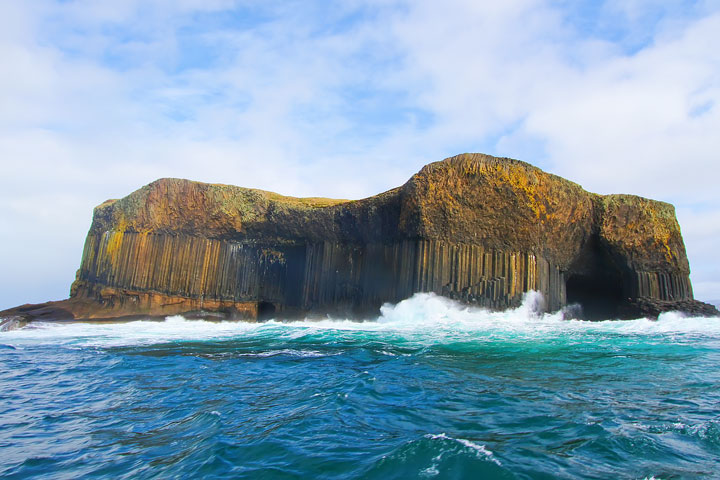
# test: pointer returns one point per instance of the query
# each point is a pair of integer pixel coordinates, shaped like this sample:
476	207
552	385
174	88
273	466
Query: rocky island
475	228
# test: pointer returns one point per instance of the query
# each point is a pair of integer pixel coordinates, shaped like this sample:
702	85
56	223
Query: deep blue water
429	390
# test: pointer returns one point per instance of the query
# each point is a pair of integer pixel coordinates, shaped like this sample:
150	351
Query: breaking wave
424	318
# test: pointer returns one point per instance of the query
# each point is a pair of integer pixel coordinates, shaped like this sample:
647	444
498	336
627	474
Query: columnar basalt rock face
475	228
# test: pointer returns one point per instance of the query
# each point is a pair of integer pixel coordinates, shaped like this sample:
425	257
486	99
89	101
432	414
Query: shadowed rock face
475	228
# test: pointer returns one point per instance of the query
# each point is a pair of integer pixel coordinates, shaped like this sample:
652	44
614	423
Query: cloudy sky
345	99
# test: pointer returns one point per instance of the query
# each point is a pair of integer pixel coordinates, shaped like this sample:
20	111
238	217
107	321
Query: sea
430	389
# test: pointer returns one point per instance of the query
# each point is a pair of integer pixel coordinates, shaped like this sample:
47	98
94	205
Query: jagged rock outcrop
475	228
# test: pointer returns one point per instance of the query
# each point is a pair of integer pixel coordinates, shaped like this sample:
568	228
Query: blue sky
345	99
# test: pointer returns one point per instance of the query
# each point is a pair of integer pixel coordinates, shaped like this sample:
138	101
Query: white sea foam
430	471
431	315
287	352
480	450
425	318
125	333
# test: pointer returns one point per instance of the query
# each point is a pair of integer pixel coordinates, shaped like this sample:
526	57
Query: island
475	228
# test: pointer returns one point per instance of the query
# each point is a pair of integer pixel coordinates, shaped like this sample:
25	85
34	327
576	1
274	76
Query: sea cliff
475	228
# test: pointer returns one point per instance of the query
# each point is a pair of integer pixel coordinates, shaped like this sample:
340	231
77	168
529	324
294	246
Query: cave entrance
266	311
596	281
599	294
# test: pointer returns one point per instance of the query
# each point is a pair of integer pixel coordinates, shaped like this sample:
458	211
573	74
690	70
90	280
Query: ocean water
430	389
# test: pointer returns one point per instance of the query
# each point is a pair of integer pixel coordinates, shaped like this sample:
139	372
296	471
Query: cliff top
171	183
470	198
462	165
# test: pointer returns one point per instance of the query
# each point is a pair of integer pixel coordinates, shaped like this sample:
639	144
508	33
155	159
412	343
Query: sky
345	99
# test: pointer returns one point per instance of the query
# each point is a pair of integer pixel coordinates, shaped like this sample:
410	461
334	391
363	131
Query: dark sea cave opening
598	295
266	311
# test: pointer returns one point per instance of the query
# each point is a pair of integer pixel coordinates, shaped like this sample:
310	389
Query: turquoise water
428	390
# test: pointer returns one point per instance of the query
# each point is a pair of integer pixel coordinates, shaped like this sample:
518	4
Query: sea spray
425	317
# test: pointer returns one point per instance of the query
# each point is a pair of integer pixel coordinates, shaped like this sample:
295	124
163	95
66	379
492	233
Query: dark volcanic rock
651	307
476	228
